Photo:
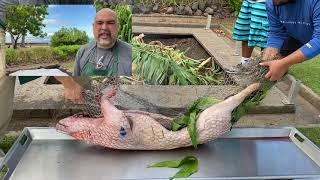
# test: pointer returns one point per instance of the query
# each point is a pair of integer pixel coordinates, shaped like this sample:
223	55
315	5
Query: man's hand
72	90
270	54
277	68
73	93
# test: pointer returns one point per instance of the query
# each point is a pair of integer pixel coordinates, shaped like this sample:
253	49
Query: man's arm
312	48
276	35
278	68
72	90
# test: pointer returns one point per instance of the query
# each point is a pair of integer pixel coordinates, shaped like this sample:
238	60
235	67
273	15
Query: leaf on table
188	165
187	170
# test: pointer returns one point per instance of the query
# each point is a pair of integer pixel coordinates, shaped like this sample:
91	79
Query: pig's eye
122	131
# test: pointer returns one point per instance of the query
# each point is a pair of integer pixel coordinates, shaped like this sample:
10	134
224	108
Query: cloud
51	21
53	6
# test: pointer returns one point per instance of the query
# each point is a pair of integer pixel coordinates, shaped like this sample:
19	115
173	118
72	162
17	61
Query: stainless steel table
243	153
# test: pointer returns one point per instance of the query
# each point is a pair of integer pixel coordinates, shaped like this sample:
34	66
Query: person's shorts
289	46
252	24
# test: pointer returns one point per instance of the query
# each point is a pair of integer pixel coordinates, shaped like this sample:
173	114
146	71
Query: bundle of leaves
189	119
159	65
253	100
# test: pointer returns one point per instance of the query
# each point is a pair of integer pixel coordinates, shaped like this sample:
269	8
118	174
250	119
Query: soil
189	45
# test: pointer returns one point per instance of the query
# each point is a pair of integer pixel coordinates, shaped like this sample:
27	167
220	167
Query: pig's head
112	127
78	126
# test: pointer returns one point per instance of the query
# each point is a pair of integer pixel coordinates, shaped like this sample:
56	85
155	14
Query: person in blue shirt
294	33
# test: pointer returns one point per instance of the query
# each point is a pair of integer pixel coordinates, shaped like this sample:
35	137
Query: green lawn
311	133
309	73
7	141
68	65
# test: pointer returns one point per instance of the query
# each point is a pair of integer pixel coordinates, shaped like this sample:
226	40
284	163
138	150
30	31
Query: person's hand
277	68
73	93
271	54
72	90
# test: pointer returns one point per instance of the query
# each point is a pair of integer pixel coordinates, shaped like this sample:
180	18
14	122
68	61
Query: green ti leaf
251	101
187	170
188	165
169	66
203	103
189	119
192	129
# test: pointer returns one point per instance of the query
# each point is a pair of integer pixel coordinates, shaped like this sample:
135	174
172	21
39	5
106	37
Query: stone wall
211	7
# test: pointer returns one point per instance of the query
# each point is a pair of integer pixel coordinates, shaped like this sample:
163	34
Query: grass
311	133
229	26
7	141
309	73
69	65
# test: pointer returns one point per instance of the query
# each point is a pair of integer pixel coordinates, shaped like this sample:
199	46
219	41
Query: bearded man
107	55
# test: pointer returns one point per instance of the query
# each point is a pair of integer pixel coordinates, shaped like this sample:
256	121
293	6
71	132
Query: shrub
41	54
11	55
235	6
27	56
69	36
64	53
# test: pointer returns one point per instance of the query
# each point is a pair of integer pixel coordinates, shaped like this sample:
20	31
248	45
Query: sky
79	16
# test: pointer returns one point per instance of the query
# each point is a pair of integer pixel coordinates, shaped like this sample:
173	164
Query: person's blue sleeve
277	32
312	48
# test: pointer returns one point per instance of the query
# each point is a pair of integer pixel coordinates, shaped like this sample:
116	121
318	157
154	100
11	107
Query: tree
24	19
69	36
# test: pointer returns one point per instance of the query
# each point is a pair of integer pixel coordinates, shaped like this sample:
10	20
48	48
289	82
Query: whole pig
139	130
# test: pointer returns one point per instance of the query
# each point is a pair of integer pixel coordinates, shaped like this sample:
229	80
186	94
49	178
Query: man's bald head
105	28
106	12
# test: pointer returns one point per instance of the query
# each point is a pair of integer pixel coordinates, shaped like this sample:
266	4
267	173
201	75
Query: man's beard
104	42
